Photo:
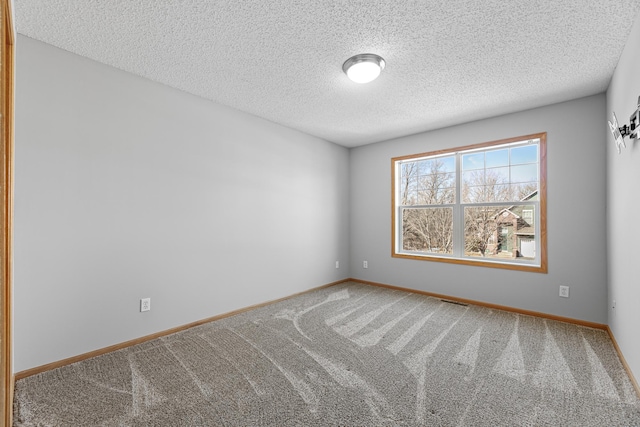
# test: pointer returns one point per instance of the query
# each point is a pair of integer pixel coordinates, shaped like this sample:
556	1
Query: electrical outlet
145	304
614	304
337	264
564	291
365	264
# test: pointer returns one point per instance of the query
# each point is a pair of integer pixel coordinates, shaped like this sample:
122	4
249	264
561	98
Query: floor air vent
455	302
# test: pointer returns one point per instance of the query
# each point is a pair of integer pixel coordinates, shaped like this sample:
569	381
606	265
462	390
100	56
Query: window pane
500	233
407	169
428	230
436	189
436	165
526	191
491	190
473	194
524	173
490	185
429	182
498	193
423	167
473	161
408	183
446	196
524	154
473	177
448	164
497	158
480	229
497	175
436	196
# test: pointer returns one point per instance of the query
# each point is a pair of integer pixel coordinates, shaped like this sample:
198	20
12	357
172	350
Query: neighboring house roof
526	231
524	199
506	210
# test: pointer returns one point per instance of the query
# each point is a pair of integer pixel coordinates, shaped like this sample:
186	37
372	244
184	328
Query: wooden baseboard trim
488	305
634	382
68	361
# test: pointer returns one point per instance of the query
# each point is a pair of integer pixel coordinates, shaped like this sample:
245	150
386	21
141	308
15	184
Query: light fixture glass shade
363	68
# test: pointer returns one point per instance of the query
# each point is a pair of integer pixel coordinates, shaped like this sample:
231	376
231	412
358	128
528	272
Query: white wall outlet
365	264
337	264
614	304
564	291
145	304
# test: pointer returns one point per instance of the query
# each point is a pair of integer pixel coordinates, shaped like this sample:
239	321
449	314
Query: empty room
277	213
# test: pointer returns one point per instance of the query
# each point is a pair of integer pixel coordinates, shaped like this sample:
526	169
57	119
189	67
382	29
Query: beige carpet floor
348	355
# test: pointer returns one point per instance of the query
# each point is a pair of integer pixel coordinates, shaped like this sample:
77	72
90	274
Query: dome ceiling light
363	68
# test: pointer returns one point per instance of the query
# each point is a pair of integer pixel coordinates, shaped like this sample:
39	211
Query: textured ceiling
448	61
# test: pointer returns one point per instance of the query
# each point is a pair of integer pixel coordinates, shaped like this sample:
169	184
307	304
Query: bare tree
427	228
482	223
480	227
484	185
427	185
526	190
408	184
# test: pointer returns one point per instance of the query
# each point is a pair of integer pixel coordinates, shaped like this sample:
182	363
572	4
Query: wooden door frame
7	51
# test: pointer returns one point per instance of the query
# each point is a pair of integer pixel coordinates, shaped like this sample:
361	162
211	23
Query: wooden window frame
541	268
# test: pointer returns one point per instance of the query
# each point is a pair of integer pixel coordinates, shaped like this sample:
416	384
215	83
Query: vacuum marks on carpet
346	355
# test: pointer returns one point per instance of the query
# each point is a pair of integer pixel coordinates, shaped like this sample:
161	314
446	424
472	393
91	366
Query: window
481	204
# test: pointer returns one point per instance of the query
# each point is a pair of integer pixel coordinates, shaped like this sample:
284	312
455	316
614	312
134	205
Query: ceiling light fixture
363	68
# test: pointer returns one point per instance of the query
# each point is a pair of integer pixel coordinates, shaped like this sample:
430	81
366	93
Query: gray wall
623	205
127	189
575	212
